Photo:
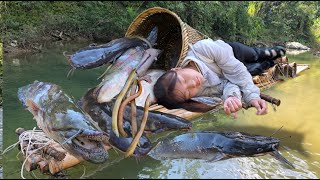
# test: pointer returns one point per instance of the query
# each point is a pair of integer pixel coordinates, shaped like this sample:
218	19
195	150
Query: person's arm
233	70
221	53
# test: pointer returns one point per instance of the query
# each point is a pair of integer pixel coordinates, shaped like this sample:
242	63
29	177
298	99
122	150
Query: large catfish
215	146
117	76
98	113
63	121
95	56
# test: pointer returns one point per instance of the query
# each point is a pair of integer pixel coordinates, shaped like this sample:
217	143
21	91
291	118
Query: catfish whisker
71	71
284	137
65	55
76	134
276	131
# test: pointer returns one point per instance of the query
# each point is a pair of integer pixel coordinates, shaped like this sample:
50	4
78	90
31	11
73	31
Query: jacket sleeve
232	69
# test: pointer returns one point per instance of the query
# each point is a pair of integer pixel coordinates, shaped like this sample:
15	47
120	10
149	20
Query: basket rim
155	10
143	15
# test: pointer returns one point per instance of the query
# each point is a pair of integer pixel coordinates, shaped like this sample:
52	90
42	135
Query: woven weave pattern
173	34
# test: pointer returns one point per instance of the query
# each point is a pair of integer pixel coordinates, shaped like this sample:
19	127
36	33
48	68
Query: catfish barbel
63	121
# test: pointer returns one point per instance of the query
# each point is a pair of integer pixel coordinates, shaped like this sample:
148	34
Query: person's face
189	82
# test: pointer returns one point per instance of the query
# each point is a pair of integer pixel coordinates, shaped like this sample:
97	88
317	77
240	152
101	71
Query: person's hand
232	105
260	105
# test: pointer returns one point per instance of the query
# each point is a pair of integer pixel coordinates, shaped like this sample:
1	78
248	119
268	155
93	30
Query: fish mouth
90	147
187	128
184	127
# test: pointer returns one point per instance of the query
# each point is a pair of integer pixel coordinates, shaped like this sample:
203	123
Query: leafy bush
244	21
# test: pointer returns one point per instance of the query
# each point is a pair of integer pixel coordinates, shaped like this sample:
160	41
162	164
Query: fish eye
259	150
158	124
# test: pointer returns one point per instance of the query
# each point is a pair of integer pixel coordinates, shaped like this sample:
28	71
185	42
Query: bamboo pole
57	166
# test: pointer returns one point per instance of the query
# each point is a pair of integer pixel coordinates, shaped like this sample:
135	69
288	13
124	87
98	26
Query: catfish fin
280	158
217	157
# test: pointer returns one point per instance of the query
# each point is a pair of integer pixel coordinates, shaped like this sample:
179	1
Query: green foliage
1	73
244	21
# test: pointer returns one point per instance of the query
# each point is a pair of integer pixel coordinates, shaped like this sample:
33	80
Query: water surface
298	114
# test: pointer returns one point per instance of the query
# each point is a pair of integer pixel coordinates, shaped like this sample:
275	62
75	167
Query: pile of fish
110	113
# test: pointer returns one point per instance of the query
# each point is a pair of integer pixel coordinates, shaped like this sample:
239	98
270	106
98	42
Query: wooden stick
32	162
67	162
267	98
270	99
54	153
43	166
19	131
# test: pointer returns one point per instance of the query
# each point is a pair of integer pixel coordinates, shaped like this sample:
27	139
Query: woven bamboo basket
174	35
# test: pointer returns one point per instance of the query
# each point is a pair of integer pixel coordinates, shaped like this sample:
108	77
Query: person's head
177	86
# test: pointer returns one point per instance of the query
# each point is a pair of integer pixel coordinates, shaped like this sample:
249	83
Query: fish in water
95	56
98	113
63	121
215	146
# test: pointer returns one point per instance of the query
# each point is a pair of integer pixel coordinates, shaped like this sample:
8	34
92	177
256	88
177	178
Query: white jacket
224	74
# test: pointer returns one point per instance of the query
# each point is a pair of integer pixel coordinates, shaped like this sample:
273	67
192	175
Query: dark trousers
255	59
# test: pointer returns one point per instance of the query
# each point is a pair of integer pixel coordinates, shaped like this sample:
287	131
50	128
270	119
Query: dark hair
164	92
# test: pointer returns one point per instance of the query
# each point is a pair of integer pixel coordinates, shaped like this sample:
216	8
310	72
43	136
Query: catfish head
249	144
63	121
243	144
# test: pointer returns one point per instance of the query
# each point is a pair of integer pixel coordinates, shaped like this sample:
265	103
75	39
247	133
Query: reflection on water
246	168
297	114
295	51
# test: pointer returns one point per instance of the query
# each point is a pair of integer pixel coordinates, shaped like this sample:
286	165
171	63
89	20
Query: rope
32	137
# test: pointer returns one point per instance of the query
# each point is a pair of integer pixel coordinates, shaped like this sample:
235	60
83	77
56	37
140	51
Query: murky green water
298	114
